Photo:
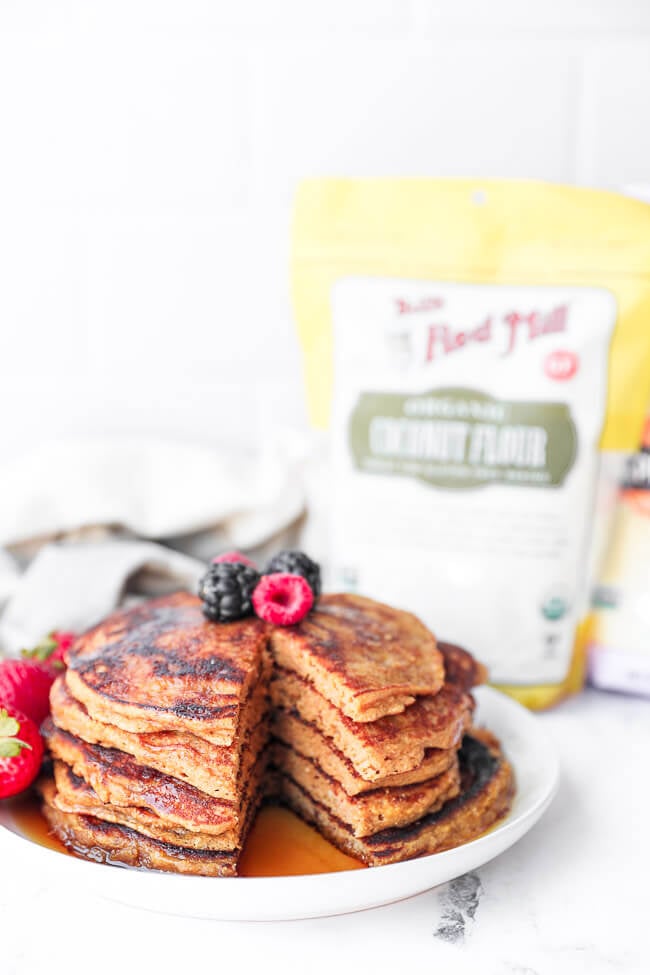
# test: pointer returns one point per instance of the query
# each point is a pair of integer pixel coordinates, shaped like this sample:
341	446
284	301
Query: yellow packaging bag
472	348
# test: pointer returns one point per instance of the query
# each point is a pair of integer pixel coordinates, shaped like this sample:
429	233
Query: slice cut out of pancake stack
168	731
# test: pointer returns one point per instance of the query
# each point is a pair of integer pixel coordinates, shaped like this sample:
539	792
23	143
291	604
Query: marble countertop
570	897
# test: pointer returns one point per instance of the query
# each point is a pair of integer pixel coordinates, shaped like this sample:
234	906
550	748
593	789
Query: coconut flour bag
471	347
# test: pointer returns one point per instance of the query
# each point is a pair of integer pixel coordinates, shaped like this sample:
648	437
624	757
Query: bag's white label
465	425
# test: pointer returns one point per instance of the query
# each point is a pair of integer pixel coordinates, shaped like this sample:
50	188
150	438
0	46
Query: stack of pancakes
369	716
158	736
167	732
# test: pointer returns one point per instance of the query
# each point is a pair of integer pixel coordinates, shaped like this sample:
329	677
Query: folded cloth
72	586
9	575
198	499
152	489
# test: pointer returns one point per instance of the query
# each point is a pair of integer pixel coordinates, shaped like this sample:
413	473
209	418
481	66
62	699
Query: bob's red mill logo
507	331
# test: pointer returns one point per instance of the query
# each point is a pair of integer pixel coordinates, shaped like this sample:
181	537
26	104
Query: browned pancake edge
370	660
486	796
391	745
163	665
95	839
213	769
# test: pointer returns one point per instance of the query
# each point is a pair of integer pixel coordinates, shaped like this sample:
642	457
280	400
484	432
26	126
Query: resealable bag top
471	347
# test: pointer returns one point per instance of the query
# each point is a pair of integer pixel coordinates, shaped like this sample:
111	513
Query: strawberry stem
11	747
42	651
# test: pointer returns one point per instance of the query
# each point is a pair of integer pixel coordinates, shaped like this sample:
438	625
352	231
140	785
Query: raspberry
227	589
296	564
282	598
233	557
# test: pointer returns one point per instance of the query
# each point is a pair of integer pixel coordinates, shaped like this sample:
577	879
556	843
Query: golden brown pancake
164	666
73	795
461	668
390	745
289	728
76	796
115	778
214	769
109	843
366	658
372	811
487	787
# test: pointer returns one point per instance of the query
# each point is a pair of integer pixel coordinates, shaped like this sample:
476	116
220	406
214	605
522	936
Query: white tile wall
465	109
614	142
582	17
149	152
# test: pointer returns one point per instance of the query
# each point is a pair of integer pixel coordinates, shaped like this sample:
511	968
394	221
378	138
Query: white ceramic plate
285	898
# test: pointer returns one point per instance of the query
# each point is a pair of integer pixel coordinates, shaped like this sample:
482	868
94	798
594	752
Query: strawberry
21	752
63	640
282	598
25	685
52	648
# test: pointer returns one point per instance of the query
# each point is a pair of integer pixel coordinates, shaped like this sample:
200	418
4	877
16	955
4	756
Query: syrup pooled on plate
24	815
279	844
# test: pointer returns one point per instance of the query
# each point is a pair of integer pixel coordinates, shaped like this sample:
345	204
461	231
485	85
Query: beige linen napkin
73	586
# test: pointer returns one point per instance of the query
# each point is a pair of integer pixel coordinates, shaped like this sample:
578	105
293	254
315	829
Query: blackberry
227	590
296	564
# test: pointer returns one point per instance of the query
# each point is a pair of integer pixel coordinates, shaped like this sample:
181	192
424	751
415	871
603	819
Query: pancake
109	843
372	811
115	778
164	666
487	787
212	769
390	745
74	795
368	659
289	728
461	668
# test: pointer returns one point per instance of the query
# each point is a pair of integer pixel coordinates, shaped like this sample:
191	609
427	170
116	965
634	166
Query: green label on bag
462	438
